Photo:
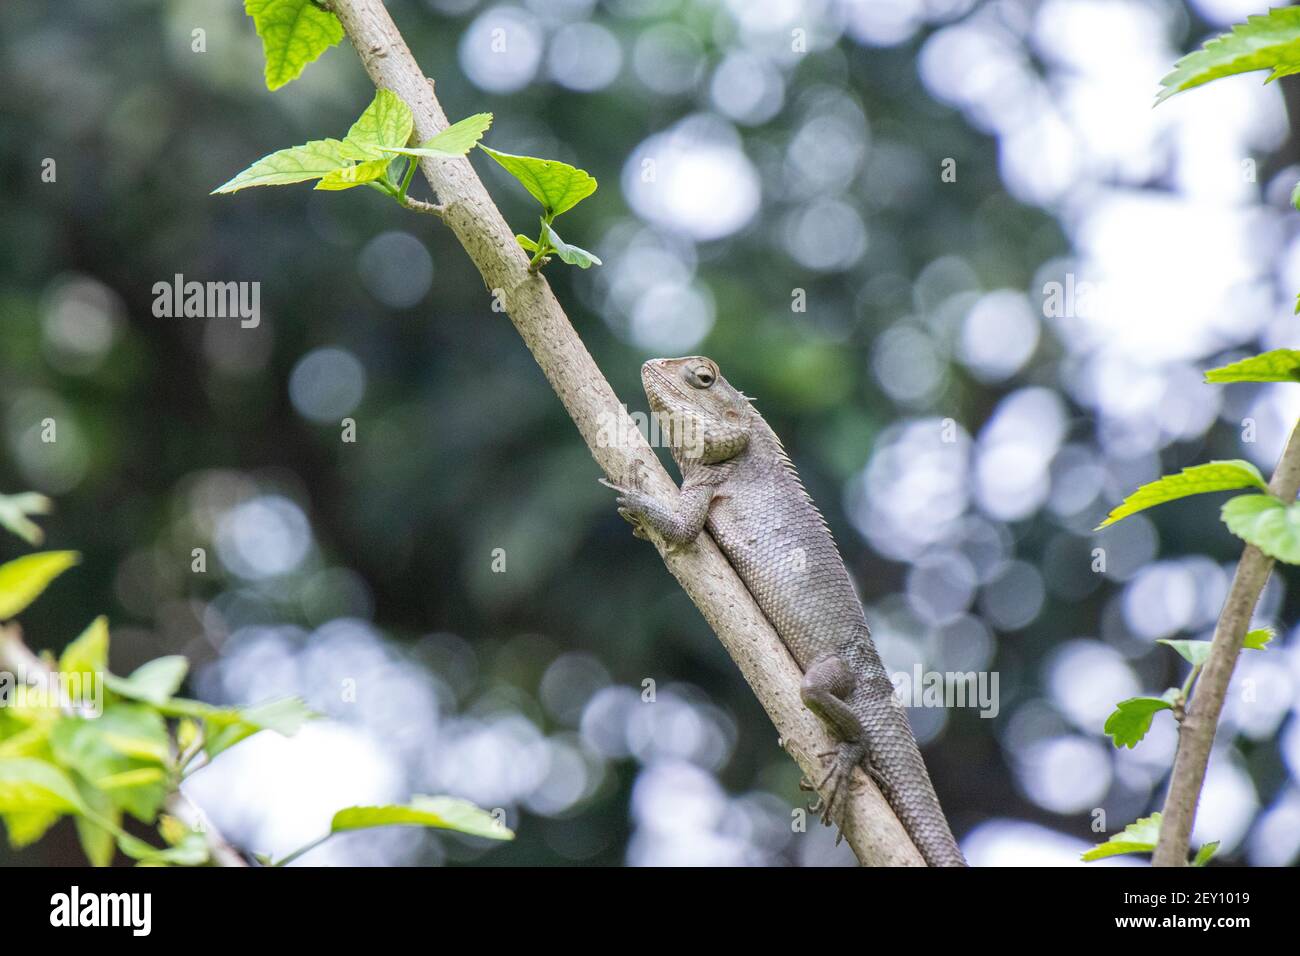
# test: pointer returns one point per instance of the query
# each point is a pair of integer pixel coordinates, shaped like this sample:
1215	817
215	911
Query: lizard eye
702	376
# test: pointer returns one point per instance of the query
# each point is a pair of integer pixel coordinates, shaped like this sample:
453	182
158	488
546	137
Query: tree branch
868	823
1196	732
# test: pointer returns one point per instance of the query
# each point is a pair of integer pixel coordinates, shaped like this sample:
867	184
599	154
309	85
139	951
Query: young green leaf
1268	41
529	244
1198	652
110	751
227	727
153	682
97	841
23	579
298	164
1258	639
1195	480
14	511
387	121
573	255
453	142
1205	853
88	654
191	851
557	186
1267	523
27	785
1138	837
294	33
357	175
445	813
1278	365
1131	719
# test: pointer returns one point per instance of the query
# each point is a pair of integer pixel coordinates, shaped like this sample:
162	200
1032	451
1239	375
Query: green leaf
131	779
573	255
25	828
1204	854
14	510
1139	837
27	785
227	727
1198	652
1258	639
88	654
527	243
357	175
153	682
453	142
192	850
1198	479
1268	41
444	813
387	121
1279	365
557	186
108	752
297	164
23	579
33	795
31	741
1131	719
294	33
1194	652
1267	523
97	841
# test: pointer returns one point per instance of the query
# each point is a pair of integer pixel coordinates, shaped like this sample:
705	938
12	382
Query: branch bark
1196	732
869	824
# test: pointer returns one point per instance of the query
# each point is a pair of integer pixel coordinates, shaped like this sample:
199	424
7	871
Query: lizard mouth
662	385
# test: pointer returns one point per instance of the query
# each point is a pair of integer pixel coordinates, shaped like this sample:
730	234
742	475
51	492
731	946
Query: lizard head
704	418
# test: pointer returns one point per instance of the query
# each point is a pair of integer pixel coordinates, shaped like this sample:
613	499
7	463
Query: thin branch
417	205
1196	732
869	824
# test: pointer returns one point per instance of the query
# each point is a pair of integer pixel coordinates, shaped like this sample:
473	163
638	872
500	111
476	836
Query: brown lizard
739	483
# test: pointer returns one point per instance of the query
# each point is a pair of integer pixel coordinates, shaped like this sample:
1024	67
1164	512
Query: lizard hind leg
826	687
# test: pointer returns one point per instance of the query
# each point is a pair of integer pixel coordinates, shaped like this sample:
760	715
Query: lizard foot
835	782
631	503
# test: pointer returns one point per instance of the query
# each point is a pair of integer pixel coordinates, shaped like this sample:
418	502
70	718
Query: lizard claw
631	517
631	502
836	781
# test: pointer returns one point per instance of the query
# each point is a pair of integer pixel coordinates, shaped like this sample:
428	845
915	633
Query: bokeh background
799	147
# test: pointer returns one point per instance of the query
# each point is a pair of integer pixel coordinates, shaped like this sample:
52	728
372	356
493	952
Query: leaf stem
302	850
406	178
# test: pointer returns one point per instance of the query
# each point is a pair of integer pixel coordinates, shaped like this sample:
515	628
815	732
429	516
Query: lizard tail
896	764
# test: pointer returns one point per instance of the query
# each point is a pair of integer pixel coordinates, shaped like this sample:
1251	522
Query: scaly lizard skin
738	481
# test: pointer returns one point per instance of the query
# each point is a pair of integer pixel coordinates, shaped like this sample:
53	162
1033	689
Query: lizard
739	483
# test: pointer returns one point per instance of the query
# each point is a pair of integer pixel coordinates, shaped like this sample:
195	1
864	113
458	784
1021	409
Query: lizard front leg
826	688
678	526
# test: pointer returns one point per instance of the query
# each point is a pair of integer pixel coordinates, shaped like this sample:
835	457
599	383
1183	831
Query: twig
869	824
417	205
1196	732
